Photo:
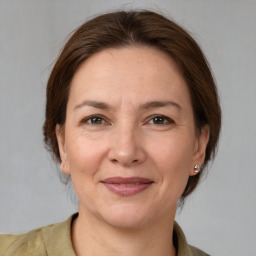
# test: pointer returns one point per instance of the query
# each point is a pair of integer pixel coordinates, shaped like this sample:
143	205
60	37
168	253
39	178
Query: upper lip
129	180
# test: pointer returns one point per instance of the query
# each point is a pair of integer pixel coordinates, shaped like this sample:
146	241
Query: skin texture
126	139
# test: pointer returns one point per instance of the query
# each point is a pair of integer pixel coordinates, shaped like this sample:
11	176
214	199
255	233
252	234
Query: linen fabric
55	240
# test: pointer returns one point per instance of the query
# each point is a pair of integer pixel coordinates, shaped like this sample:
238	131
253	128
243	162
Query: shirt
55	240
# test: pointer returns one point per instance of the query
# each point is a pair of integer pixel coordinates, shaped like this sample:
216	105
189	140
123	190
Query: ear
60	134
200	148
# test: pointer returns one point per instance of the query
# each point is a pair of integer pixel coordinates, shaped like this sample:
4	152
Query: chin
127	217
125	222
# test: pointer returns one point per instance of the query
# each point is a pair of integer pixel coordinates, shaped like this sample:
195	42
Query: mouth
127	186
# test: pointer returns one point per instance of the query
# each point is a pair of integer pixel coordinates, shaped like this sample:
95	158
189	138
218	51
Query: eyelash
86	120
89	120
166	120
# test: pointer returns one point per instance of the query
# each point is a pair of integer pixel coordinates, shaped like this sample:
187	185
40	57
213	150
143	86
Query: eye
160	120
94	120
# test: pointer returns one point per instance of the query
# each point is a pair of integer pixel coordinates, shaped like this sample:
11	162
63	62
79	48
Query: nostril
126	154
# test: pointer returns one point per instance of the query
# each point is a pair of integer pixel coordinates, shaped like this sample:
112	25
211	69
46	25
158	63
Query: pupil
96	120
158	120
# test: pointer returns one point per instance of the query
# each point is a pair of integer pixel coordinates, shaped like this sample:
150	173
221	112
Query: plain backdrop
220	216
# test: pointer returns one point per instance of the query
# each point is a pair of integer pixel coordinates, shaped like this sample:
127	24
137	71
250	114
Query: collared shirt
55	240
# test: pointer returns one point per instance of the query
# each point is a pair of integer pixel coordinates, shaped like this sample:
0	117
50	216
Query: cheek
84	155
173	152
173	157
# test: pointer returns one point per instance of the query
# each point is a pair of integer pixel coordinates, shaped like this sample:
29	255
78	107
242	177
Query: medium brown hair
138	28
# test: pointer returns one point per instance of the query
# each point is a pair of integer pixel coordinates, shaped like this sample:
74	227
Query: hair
127	29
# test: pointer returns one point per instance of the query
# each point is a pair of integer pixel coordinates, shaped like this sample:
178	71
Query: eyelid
107	122
169	119
86	119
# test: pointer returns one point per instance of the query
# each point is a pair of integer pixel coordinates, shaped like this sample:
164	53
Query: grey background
220	216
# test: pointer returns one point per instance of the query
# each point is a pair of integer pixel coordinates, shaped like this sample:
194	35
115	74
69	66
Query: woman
132	116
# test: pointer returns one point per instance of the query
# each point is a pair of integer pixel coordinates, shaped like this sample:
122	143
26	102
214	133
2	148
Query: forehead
129	72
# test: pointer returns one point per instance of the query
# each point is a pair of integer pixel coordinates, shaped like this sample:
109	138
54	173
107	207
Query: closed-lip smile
127	186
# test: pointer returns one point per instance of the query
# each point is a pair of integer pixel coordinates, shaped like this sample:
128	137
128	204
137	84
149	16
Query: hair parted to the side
135	28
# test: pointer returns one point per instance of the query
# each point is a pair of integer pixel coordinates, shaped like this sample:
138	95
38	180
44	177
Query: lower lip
127	189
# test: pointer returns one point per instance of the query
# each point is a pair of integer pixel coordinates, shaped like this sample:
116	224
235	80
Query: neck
90	237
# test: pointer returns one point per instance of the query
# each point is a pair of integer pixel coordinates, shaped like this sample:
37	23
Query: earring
197	168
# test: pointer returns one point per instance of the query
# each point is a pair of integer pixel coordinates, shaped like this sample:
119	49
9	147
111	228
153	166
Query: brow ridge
91	103
159	104
144	106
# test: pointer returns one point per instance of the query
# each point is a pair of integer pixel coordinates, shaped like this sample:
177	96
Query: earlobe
62	149
200	150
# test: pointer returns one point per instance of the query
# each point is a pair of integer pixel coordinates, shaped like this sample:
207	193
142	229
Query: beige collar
58	242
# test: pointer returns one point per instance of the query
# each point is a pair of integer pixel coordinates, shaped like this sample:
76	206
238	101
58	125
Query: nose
126	147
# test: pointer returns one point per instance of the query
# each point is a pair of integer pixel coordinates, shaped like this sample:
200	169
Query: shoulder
197	252
54	239
23	244
183	248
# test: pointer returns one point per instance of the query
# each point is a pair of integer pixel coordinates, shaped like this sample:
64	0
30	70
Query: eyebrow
145	106
159	104
95	104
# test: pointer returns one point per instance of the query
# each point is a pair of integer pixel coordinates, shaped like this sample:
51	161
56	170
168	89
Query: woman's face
129	141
